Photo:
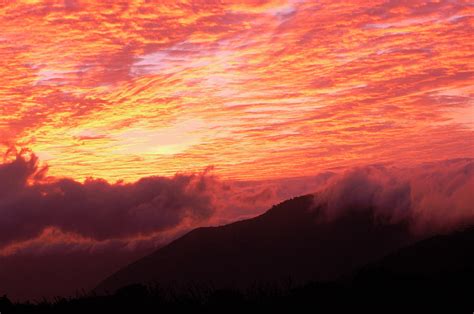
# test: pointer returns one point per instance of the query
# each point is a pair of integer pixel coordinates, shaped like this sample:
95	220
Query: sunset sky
126	123
258	89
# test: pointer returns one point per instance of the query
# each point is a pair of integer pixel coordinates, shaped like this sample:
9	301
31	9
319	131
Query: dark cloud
30	202
96	208
433	196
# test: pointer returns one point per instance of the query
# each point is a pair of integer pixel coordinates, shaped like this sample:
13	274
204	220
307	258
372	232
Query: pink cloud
432	197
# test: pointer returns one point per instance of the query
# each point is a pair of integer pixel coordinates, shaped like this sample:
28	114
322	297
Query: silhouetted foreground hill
291	240
437	258
431	276
437	274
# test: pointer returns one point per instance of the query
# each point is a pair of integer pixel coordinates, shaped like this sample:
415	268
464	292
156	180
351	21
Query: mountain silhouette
290	241
353	263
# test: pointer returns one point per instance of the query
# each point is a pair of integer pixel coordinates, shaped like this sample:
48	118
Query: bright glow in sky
259	89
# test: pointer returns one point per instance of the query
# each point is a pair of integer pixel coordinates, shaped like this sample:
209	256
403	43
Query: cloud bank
433	197
96	210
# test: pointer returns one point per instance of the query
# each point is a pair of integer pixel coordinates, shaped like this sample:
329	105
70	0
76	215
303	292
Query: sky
124	124
257	89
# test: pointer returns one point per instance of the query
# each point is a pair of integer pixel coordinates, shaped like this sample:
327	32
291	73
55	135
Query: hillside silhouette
430	276
291	240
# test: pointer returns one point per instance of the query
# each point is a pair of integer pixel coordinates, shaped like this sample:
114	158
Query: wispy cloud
294	85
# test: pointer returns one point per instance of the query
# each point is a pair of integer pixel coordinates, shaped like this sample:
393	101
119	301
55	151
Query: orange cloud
259	89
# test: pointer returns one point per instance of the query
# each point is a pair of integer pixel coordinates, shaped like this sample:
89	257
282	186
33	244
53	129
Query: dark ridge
431	276
288	241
